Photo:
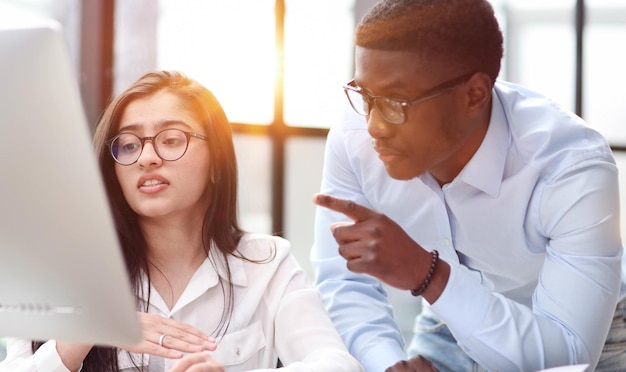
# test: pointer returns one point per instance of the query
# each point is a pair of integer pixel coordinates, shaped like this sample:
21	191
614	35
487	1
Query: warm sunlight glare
226	45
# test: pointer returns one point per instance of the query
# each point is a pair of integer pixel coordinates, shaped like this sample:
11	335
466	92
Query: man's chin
400	174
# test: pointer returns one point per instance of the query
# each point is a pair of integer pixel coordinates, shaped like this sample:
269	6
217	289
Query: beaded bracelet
429	276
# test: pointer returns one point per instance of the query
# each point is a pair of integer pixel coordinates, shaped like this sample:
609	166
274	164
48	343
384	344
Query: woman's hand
169	338
197	362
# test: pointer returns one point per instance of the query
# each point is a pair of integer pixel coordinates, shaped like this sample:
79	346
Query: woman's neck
175	250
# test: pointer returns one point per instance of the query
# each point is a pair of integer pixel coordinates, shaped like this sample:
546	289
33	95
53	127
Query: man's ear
478	95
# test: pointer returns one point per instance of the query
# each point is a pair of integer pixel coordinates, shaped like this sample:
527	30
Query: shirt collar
486	168
237	270
206	277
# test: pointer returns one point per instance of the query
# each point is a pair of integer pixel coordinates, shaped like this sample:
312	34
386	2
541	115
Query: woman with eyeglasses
210	296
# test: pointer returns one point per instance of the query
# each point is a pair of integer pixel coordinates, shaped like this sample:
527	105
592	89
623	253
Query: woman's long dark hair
220	227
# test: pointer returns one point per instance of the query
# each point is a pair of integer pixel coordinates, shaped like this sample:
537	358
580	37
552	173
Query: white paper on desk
576	368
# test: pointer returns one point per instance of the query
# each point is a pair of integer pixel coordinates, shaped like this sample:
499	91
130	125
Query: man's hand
415	364
376	245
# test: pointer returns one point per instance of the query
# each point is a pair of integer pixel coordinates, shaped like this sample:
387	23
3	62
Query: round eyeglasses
393	110
169	144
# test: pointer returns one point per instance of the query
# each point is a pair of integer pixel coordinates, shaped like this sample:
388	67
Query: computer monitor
62	272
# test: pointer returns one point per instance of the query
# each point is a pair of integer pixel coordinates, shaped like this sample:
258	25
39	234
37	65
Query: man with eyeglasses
489	201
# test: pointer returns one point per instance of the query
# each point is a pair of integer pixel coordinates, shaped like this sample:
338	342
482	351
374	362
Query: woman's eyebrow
173	122
161	124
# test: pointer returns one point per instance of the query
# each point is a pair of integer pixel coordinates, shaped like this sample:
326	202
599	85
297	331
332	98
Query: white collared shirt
276	314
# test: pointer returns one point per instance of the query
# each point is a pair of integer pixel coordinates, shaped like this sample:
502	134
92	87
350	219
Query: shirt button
447	241
237	351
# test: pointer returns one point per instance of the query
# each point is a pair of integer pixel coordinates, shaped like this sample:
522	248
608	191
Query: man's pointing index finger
354	211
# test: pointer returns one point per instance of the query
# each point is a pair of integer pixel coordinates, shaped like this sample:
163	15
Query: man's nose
377	126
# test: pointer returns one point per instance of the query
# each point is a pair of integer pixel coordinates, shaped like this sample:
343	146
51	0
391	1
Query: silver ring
161	339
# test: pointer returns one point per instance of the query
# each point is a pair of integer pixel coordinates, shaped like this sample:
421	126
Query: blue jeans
432	339
613	356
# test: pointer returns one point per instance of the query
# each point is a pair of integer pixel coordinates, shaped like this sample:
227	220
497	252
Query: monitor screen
62	272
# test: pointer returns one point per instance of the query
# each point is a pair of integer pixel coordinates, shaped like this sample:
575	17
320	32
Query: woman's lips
152	184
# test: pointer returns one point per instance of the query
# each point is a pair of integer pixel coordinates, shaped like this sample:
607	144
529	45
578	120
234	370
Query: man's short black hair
464	33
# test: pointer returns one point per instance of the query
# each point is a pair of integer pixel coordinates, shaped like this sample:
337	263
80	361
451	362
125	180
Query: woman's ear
478	89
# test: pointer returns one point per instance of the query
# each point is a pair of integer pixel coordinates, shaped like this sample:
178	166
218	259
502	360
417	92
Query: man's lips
386	154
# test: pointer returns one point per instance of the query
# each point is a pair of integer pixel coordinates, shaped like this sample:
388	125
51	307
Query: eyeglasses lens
359	104
126	148
391	110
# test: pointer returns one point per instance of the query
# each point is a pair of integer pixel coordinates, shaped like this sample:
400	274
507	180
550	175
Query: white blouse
276	314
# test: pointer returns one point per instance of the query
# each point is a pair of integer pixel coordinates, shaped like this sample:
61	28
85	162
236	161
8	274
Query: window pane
604	61
318	60
303	171
134	41
541	47
228	46
255	195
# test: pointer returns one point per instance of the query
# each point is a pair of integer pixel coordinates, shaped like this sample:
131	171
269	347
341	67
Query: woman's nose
149	155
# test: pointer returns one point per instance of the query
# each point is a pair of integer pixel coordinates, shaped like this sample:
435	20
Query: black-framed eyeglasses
169	144
393	110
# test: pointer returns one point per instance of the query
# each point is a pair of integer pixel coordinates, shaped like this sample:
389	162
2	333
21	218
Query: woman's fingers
170	338
197	362
185	341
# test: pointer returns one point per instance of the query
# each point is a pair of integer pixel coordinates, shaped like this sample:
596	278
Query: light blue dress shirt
530	228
